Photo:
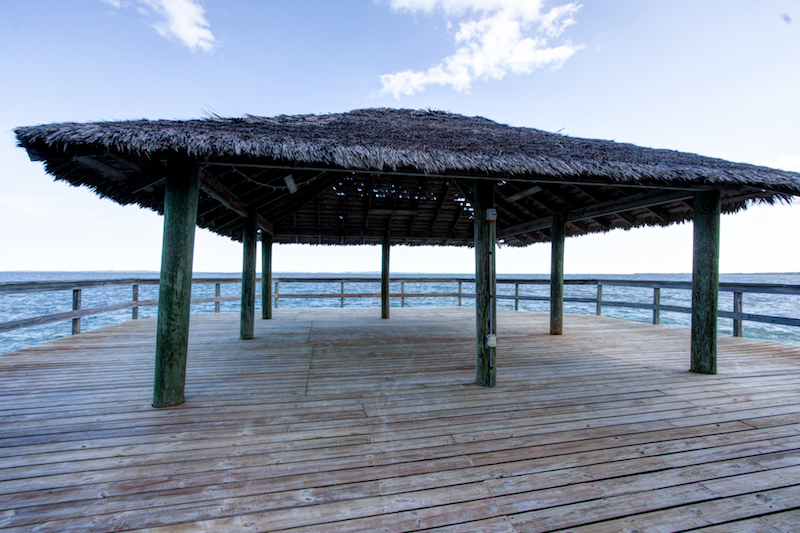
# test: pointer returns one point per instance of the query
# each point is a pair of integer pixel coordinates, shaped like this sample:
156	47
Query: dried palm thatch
357	174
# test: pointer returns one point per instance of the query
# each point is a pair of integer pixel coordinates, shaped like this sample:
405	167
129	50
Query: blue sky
718	78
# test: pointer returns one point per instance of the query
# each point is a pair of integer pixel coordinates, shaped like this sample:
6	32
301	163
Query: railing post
341	300
76	306
516	299
402	294
217	294
266	275
459	294
737	308
135	308
656	301
277	292
599	299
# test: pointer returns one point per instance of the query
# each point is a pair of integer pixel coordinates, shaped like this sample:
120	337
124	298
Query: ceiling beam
584	180
223	195
101	167
440	206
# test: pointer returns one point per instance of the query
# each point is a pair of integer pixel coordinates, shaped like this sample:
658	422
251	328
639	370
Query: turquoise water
13	307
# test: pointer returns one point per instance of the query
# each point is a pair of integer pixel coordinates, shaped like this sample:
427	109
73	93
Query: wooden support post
402	294
485	284
599	310
386	244
705	281
460	290
76	306
516	299
135	308
737	308
266	275
248	310
175	289
217	294
656	301
277	292
558	235
341	300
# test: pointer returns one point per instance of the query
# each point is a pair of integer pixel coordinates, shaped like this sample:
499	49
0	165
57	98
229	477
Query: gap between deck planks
601	429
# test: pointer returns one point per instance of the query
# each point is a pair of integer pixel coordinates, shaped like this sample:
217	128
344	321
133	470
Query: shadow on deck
335	420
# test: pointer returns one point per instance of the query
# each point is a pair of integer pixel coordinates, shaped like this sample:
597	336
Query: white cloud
501	37
182	20
788	162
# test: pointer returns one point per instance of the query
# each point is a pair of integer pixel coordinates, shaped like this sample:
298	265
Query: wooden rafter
223	195
604	209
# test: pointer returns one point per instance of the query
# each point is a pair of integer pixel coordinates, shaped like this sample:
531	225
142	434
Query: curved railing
459	294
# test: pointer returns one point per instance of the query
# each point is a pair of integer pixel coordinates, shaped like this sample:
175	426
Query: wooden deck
335	420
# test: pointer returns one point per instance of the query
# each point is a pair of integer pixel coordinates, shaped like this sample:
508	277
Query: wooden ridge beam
392	212
523	194
376	233
636	201
222	194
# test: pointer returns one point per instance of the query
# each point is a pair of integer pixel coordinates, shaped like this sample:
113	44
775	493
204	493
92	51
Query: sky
718	78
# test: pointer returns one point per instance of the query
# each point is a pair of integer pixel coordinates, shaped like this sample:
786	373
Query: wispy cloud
788	162
495	37
181	20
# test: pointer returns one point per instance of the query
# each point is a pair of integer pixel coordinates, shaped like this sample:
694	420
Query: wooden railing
77	312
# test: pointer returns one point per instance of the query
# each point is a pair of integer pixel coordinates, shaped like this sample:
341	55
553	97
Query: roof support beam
175	289
557	237
705	282
635	201
386	244
485	284
223	195
248	308
442	201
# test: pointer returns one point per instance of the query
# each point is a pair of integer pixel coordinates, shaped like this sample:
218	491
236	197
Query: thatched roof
362	172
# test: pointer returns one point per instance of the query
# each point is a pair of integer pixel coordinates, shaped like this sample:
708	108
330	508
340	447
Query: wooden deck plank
278	433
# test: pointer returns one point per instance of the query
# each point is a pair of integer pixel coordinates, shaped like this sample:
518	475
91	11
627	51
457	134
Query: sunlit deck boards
335	420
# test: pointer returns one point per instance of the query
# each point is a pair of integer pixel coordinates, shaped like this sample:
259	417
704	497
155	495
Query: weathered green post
266	275
386	243
485	282
175	290
558	235
705	281
248	311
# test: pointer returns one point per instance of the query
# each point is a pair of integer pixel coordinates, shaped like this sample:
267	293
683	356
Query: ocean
13	307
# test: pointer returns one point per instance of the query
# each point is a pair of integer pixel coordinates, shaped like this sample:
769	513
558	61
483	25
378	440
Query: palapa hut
395	177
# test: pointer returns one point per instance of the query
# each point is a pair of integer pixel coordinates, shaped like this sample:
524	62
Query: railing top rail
48	286
772	288
20	287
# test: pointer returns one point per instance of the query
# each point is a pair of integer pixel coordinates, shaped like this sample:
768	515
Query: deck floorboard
336	420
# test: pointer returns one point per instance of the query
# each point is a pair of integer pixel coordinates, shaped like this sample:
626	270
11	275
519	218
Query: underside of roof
347	178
